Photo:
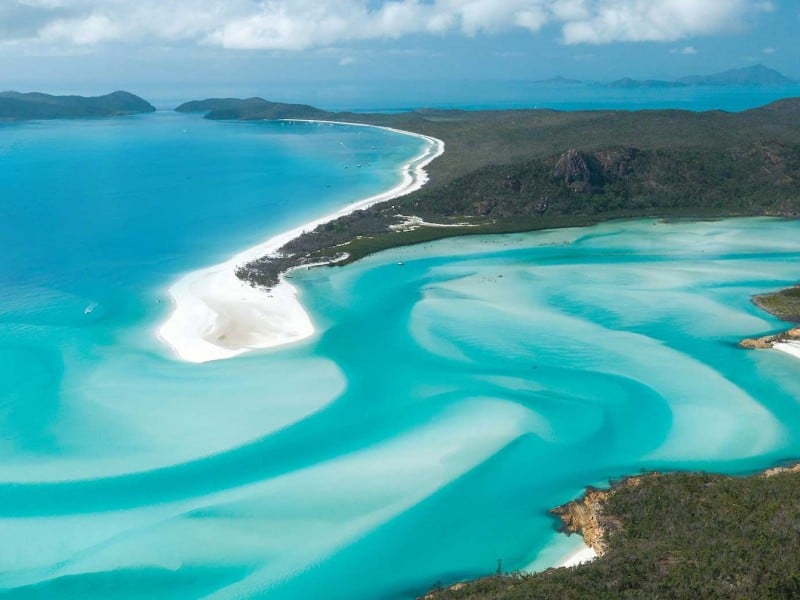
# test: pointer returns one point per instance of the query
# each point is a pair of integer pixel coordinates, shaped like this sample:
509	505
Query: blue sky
243	46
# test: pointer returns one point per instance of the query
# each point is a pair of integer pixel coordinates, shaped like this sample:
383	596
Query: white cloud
768	51
301	24
662	20
686	51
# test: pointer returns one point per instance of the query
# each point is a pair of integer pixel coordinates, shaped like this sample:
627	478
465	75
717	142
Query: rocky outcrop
616	162
779	470
587	517
768	341
588	172
573	168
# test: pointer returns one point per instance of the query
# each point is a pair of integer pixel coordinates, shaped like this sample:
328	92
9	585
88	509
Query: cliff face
586	516
573	169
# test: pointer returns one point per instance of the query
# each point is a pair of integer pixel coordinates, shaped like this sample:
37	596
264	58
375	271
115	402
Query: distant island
754	76
558	80
16	106
522	170
254	108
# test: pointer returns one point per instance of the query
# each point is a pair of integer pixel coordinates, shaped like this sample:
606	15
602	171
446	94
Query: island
16	106
753	76
524	170
673	535
756	75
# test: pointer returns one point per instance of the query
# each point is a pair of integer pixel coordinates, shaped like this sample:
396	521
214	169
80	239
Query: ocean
442	406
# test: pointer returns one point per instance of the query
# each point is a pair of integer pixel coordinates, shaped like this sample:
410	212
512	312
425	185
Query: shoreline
790	348
215	315
650	498
582	556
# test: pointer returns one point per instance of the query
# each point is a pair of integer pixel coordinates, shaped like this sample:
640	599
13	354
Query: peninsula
512	171
675	535
16	106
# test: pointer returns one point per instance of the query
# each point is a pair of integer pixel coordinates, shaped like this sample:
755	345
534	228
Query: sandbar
215	315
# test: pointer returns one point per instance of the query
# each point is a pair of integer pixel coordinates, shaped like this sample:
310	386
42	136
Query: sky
186	48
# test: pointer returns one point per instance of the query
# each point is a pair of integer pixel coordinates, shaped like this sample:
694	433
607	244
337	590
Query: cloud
301	24
661	21
686	51
768	51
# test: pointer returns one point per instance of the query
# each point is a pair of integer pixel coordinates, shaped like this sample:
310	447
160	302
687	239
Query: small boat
90	308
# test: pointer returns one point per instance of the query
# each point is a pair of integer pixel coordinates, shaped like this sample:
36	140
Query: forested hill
522	170
252	109
16	106
680	536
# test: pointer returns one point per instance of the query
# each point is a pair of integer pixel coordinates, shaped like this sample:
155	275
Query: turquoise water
396	96
443	406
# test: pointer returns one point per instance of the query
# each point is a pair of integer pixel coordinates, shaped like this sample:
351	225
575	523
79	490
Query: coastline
215	315
584	555
660	517
790	348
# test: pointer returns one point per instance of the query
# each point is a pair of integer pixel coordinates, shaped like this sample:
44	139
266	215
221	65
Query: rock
573	169
756	343
586	516
768	341
587	173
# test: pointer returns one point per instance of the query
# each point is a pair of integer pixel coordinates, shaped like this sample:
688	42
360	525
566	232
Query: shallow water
442	408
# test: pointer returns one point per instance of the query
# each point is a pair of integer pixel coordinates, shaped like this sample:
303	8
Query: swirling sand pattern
442	407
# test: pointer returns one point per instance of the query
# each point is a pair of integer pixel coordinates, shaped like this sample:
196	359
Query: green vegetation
509	171
15	106
680	535
784	304
253	108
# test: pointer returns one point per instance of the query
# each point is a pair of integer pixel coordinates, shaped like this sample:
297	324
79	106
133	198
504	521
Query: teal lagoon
442	407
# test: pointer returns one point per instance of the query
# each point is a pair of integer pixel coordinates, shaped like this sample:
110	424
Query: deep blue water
443	406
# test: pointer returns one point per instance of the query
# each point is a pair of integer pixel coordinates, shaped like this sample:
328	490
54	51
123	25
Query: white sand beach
216	315
791	348
584	555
